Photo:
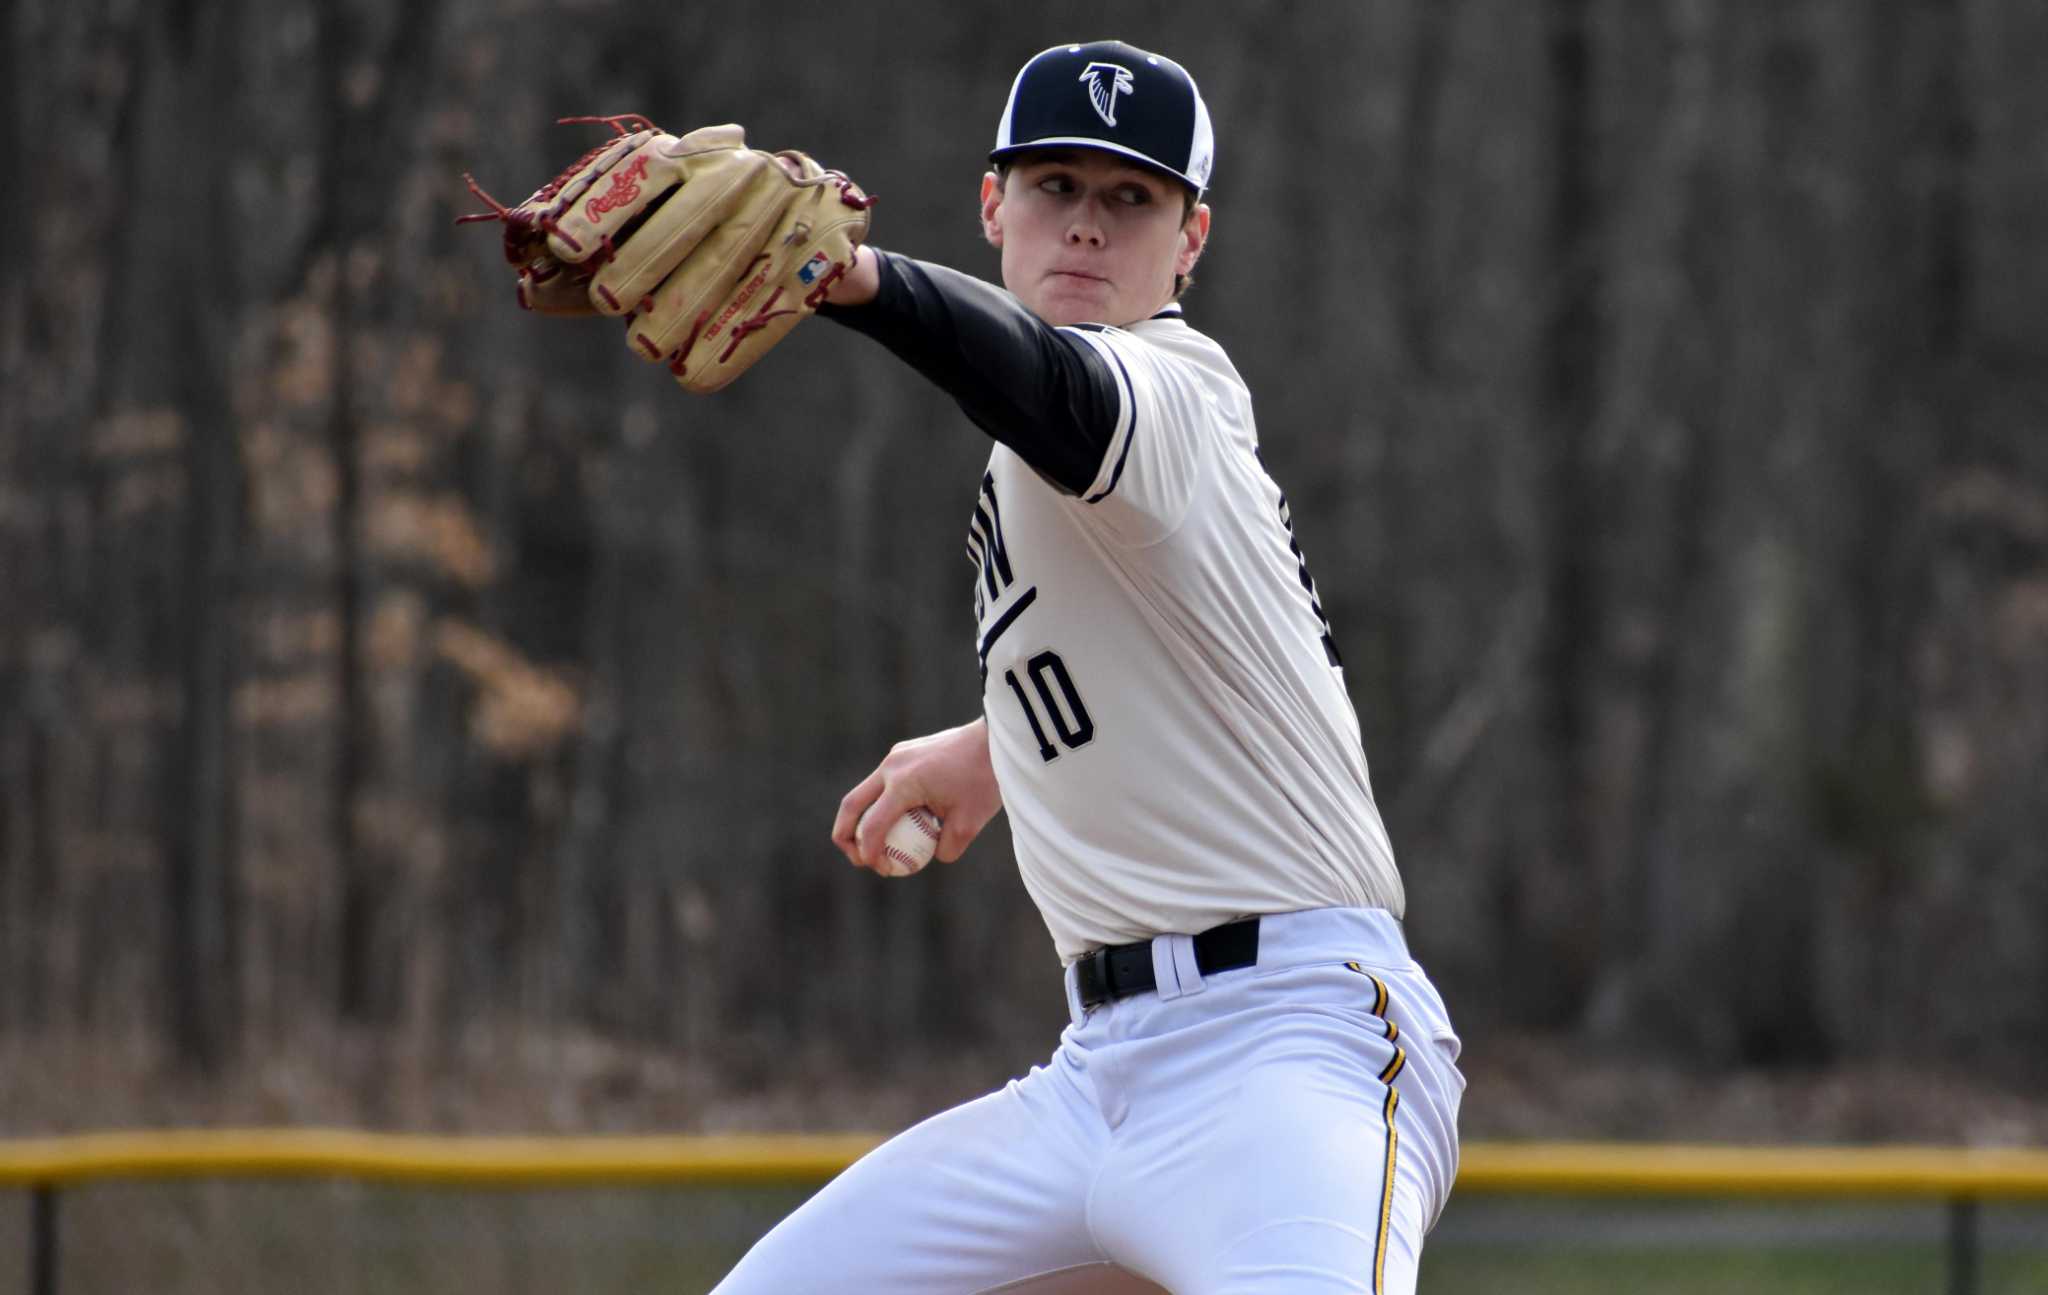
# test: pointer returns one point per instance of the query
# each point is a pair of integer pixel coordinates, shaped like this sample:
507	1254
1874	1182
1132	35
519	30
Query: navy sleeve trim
1043	392
1130	434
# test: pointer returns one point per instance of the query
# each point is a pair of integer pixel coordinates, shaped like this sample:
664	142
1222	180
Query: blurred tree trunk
184	120
374	67
1573	369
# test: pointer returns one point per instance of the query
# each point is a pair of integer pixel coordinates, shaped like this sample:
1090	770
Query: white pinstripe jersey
1166	714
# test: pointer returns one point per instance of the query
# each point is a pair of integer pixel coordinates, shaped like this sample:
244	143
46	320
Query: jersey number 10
1069	718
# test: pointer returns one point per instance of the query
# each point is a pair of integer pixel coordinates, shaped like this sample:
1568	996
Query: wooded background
1659	386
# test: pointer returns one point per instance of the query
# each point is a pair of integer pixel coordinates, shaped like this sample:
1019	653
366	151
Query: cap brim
1094	145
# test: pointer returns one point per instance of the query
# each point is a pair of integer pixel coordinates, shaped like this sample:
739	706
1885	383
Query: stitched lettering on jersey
1065	712
994	580
985	547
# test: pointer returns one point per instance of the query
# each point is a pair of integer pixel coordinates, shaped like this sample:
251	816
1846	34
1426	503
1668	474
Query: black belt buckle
1091	978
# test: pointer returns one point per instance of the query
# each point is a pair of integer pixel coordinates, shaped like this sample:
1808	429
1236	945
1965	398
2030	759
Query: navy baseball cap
1115	97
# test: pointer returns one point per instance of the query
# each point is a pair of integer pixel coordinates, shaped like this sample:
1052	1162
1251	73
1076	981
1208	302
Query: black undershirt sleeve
1046	394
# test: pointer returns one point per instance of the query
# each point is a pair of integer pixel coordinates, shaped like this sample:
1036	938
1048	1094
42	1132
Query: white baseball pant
1280	1129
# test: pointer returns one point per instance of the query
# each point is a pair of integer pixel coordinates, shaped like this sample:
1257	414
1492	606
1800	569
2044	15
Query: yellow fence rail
1961	1177
1533	1168
444	1161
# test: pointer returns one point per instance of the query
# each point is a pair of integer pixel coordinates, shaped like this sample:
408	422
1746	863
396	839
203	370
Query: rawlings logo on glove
623	190
681	236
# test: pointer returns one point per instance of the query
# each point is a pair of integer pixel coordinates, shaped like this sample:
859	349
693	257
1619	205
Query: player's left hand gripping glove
712	251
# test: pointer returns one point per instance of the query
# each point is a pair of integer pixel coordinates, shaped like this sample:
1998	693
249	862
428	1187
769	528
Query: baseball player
1258	1092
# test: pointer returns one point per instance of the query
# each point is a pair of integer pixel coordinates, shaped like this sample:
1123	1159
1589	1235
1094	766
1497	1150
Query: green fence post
42	1246
1962	1246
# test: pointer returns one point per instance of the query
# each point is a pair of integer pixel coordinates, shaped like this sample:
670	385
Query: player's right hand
948	773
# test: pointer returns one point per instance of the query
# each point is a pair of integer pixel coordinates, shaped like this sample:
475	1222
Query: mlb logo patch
809	271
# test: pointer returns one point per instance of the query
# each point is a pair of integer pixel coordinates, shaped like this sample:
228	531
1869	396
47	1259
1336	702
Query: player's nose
1085	227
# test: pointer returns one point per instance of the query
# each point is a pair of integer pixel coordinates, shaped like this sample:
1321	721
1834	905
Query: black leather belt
1120	970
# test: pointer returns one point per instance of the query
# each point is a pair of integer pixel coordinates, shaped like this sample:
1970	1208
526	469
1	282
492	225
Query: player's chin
1071	299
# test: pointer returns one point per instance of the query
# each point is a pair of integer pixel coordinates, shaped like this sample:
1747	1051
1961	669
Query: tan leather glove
710	250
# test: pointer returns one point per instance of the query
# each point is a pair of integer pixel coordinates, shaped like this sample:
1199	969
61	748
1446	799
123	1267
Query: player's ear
1194	236
991	209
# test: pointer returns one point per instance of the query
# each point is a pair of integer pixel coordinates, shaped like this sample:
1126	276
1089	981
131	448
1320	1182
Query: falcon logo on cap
1105	82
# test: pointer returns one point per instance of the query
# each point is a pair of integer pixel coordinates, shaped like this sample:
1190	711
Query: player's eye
1134	195
1057	183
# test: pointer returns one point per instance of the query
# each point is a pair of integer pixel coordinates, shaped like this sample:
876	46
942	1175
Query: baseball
911	841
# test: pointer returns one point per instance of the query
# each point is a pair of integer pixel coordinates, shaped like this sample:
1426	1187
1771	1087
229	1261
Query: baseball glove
710	250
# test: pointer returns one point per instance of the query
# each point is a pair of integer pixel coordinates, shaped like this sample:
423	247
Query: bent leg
1299	1186
978	1197
1301	1150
